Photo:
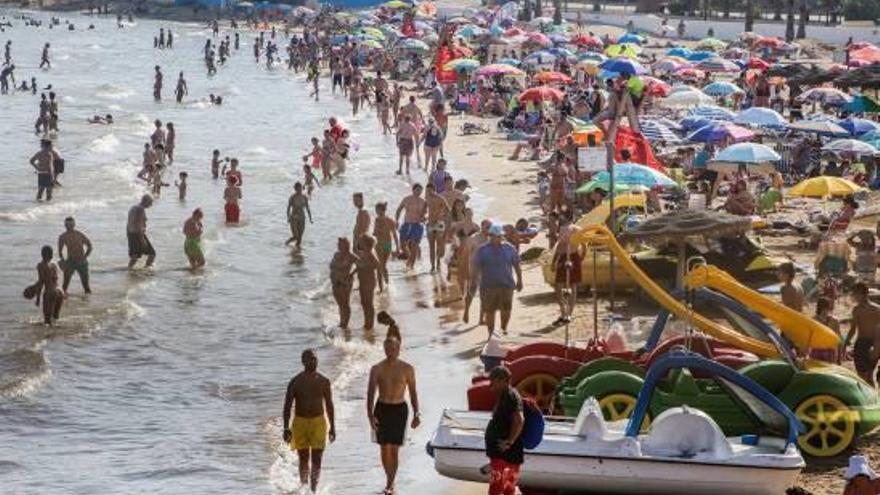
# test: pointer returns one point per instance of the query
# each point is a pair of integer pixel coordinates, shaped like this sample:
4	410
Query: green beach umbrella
588	187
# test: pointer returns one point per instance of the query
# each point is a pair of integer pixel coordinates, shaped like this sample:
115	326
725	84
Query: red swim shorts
503	477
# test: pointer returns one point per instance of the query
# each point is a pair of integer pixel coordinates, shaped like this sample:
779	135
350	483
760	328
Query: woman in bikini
464	231
341	272
47	287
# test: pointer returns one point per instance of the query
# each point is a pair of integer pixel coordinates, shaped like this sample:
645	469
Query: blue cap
496	229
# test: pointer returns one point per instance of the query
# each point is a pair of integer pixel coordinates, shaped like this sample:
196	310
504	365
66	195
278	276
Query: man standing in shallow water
79	247
136	230
310	394
392	377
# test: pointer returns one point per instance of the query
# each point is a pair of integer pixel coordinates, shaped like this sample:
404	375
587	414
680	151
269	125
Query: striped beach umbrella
713	112
721	88
717	64
655	131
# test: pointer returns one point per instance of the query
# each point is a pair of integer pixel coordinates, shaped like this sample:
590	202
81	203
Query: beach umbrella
667	65
515	31
655	131
870	136
372	32
694	122
635	174
413	45
540	58
509	61
623	66
713	44
558	39
748	153
539	39
624	50
470	31
825	187
541	21
862	104
720	132
828	96
592	185
551	77
596	57
371	44
462	65
689	73
655	87
588	41
686	99
850	147
717	64
818	127
631	38
768	42
562	52
426	9
857	127
591	67
541	93
499	69
721	88
757	63
679	51
761	117
712	112
735	53
397	4
700	55
664	121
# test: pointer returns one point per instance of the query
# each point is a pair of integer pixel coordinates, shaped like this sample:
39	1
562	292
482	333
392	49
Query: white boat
683	451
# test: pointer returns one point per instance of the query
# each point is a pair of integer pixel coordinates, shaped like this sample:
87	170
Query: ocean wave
257	150
58	207
68	99
113	92
105	144
23	371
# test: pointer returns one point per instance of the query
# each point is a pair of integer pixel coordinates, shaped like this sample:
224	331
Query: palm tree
789	20
802	22
750	16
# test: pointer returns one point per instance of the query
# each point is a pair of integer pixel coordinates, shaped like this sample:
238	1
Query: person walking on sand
391	379
47	164
310	395
865	321
503	437
297	209
136	231
413	228
493	266
192	246
567	263
157	84
438	214
79	247
181	90
44	60
47	287
341	279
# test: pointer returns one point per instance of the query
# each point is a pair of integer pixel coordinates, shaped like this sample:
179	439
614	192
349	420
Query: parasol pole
595	300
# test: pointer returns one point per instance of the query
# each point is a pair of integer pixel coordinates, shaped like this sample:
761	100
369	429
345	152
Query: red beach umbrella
757	63
551	77
541	93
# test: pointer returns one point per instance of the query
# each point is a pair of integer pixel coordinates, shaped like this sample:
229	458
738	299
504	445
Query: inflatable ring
830	424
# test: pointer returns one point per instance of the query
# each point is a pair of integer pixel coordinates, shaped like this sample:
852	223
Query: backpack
533	426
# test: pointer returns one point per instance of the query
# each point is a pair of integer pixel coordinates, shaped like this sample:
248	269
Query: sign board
592	159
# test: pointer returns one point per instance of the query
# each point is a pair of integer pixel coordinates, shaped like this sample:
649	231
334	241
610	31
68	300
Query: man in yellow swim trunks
309	393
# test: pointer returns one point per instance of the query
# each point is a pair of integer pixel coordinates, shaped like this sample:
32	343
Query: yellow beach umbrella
824	187
623	50
375	33
396	4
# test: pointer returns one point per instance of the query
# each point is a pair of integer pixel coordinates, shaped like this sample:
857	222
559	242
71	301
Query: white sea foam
105	144
60	207
113	92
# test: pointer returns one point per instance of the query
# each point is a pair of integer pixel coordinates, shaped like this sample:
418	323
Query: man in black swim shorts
392	377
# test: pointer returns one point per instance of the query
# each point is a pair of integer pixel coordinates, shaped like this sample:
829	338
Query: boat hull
624	476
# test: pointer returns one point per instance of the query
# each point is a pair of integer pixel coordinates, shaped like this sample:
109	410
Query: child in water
215	164
316	154
310	180
232	194
181	186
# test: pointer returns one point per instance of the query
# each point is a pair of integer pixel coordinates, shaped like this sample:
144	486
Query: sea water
166	381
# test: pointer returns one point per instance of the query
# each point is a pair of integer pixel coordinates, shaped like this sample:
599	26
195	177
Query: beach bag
533	426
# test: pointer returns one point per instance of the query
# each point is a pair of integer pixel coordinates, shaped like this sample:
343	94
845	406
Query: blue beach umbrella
712	112
700	55
631	38
747	153
721	88
655	131
597	57
870	136
622	66
720	132
679	51
509	61
761	117
857	127
635	174
694	122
